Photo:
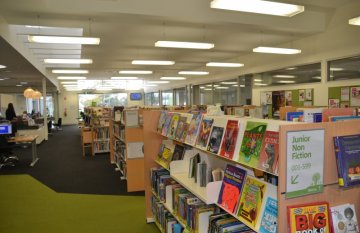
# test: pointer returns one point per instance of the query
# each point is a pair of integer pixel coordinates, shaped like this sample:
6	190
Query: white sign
305	162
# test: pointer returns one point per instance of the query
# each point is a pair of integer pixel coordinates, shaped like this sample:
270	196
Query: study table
25	139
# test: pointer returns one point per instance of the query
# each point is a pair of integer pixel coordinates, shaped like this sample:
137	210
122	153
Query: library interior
205	116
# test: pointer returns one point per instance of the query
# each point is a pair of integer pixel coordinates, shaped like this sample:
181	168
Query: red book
269	154
230	139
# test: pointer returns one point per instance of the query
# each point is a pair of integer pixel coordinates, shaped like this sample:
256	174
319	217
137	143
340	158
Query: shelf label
305	162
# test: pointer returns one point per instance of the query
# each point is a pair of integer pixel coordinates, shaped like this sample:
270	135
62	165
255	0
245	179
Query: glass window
167	97
225	92
148	99
180	96
152	99
203	94
343	69
102	100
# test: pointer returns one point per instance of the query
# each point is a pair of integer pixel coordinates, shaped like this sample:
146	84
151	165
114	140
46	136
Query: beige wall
135	103
70	102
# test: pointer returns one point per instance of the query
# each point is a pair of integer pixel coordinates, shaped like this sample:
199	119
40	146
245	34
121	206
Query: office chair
58	124
6	156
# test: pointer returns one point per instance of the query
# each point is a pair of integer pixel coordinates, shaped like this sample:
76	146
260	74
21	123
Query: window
102	100
225	92
344	69
152	99
167	98
180	96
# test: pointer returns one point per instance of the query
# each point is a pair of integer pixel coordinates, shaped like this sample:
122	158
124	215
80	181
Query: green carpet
28	206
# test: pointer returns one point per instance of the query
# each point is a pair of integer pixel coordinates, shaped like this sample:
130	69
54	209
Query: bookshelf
331	193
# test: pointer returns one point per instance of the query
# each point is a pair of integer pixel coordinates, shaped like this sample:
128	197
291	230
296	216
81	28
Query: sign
305	162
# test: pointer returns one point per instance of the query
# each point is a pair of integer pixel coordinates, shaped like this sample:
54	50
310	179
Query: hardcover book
294	116
252	197
173	125
312	217
215	139
178	152
344	219
269	221
161	121
180	128
269	153
204	132
347	152
230	138
166	124
252	143
231	188
193	129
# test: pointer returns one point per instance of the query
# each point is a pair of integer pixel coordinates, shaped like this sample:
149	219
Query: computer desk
28	139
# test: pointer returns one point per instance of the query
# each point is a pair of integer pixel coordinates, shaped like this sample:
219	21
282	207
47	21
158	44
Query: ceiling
128	30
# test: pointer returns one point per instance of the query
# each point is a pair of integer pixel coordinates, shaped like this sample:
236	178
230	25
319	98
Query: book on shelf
179	152
194	160
166	151
230	138
317	117
269	153
231	188
294	116
347	153
161	121
202	174
311	217
223	222
269	220
166	125
343	118
252	143
193	129
344	218
204	132
215	139
308	113
180	127
173	125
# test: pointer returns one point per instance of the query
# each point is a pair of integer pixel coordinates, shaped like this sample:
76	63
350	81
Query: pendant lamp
28	92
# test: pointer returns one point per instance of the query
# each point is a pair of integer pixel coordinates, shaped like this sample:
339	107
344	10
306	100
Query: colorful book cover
269	153
252	197
231	188
294	116
204	132
230	139
215	139
344	118
252	143
161	121
344	219
347	152
178	152
193	129
166	124
185	131
312	217
317	117
180	128
173	125
269	221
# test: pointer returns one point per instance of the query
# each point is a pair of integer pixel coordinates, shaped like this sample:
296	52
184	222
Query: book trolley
331	192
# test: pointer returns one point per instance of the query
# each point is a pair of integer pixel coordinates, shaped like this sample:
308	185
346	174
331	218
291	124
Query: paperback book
204	132
166	124
347	152
252	143
216	136
312	217
269	221
173	125
231	188
344	218
193	129
230	139
161	121
178	152
180	128
269	153
294	116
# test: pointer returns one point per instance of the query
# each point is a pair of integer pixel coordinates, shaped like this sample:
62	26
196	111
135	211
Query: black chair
49	126
57	125
6	156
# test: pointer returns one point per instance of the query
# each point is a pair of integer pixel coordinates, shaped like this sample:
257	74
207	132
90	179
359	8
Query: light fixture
2	67
70	85
64	40
242	85
173	78
285	81
355	21
258	6
194	72
135	72
275	50
228	83
216	85
336	69
257	80
184	45
68	61
71	78
224	64
70	71
291	68
28	92
152	62
1	79
283	76
207	89
150	85
124	78
69	82
260	84
202	87
235	85
19	85
36	95
103	89
222	87
316	77
157	82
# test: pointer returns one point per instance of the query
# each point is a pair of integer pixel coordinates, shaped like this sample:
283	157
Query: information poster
305	162
345	94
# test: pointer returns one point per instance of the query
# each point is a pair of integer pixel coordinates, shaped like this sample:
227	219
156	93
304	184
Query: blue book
177	228
347	152
294	116
269	221
344	118
317	117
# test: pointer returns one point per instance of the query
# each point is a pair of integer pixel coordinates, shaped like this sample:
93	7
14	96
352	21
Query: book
269	220
230	138
294	116
343	118
204	132
269	153
179	151
180	128
215	139
317	117
344	218
252	143
193	129
312	217
251	201
166	124
231	188
173	125
347	153
161	121
308	114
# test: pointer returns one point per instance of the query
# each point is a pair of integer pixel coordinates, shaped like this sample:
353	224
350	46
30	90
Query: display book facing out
225	136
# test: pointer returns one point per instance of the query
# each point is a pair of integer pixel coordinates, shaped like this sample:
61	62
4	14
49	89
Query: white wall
70	102
133	102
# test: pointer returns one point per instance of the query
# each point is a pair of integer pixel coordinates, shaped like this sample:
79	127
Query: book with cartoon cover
344	218
229	139
215	139
193	129
204	132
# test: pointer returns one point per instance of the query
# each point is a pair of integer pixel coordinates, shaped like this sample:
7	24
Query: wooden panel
134	134
135	175
112	146
284	110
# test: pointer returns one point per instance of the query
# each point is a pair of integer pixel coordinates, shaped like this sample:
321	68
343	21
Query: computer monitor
5	129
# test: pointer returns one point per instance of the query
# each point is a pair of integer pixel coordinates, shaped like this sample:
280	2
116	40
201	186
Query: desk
28	139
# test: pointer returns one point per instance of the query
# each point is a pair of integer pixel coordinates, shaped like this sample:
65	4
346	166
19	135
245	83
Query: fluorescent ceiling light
157	82
216	85
208	89
202	87
242	85
283	76
276	50
70	78
258	6
184	45
151	62
260	84
135	72
124	78
224	64
257	80
209	85
228	83
222	87
2	67
286	81
64	40
291	68
355	21
103	88
70	85
68	61
194	72
70	71
24	83
69	82
317	77
19	85
173	78
235	85
150	85
336	69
